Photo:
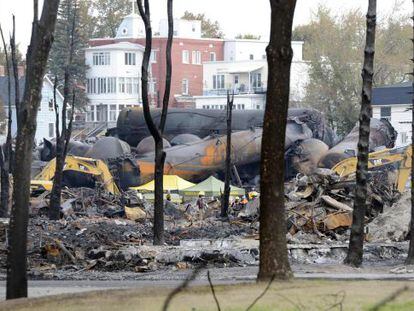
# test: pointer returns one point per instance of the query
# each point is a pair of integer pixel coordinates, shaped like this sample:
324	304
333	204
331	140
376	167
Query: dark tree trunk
356	240
410	256
62	137
36	57
273	249
226	194
157	132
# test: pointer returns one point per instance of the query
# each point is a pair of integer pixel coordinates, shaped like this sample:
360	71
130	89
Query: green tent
212	187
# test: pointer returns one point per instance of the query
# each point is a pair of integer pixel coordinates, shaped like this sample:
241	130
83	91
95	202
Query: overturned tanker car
303	152
131	126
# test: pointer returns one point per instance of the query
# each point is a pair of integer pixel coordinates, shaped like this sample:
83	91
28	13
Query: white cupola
132	25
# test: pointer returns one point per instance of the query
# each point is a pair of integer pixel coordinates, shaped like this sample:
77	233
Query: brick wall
192	72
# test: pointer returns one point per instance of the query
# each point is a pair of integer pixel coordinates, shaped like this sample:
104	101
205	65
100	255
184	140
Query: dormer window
124	31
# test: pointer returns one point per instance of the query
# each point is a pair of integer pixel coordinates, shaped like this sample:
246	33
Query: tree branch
390	298
213	291
145	15
181	287
262	294
17	102
168	75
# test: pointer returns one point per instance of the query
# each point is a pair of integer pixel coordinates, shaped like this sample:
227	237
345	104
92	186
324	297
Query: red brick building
189	51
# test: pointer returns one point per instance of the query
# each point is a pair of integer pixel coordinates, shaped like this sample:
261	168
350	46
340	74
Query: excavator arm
401	157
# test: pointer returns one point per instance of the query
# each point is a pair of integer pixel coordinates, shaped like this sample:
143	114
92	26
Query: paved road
219	276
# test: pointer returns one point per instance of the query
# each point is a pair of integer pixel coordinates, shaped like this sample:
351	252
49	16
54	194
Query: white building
245	50
46	114
394	103
113	79
244	71
182	28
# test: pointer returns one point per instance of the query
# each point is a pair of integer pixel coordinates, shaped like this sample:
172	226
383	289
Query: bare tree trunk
273	249
62	137
5	149
226	194
157	132
356	240
410	256
37	55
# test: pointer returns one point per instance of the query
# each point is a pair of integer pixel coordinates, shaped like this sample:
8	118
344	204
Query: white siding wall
241	50
401	120
241	102
117	69
45	116
298	78
182	28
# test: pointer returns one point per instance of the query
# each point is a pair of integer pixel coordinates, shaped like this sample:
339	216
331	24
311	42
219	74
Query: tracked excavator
396	161
89	171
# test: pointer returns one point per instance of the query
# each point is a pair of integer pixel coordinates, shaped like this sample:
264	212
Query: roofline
51	83
112	46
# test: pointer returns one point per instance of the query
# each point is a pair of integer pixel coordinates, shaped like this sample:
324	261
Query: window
112	113
91	114
218	82
121	85
251	56
212	56
101	59
102	86
403	137
91	86
128	85
51	129
264	56
151	86
185	87
236	79
130	59
50	105
153	58
135	86
386	113
258	107
256	80
186	57
196	57
121	107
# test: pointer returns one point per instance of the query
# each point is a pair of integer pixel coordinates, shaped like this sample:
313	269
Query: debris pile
322	202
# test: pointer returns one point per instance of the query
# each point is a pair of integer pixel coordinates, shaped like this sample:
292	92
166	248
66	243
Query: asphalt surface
171	279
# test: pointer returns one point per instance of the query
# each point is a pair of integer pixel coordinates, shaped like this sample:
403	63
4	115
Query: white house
189	29
46	114
113	79
244	50
244	71
394	103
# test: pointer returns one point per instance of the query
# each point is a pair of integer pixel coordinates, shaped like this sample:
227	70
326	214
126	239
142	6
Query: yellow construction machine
398	158
96	169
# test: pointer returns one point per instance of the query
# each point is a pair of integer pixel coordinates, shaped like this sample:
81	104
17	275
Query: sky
234	16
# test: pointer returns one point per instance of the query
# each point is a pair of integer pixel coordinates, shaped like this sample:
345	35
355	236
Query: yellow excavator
399	158
96	169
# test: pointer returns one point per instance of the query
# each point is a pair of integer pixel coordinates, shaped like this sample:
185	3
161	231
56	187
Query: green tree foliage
109	14
68	10
19	56
209	29
334	46
248	36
